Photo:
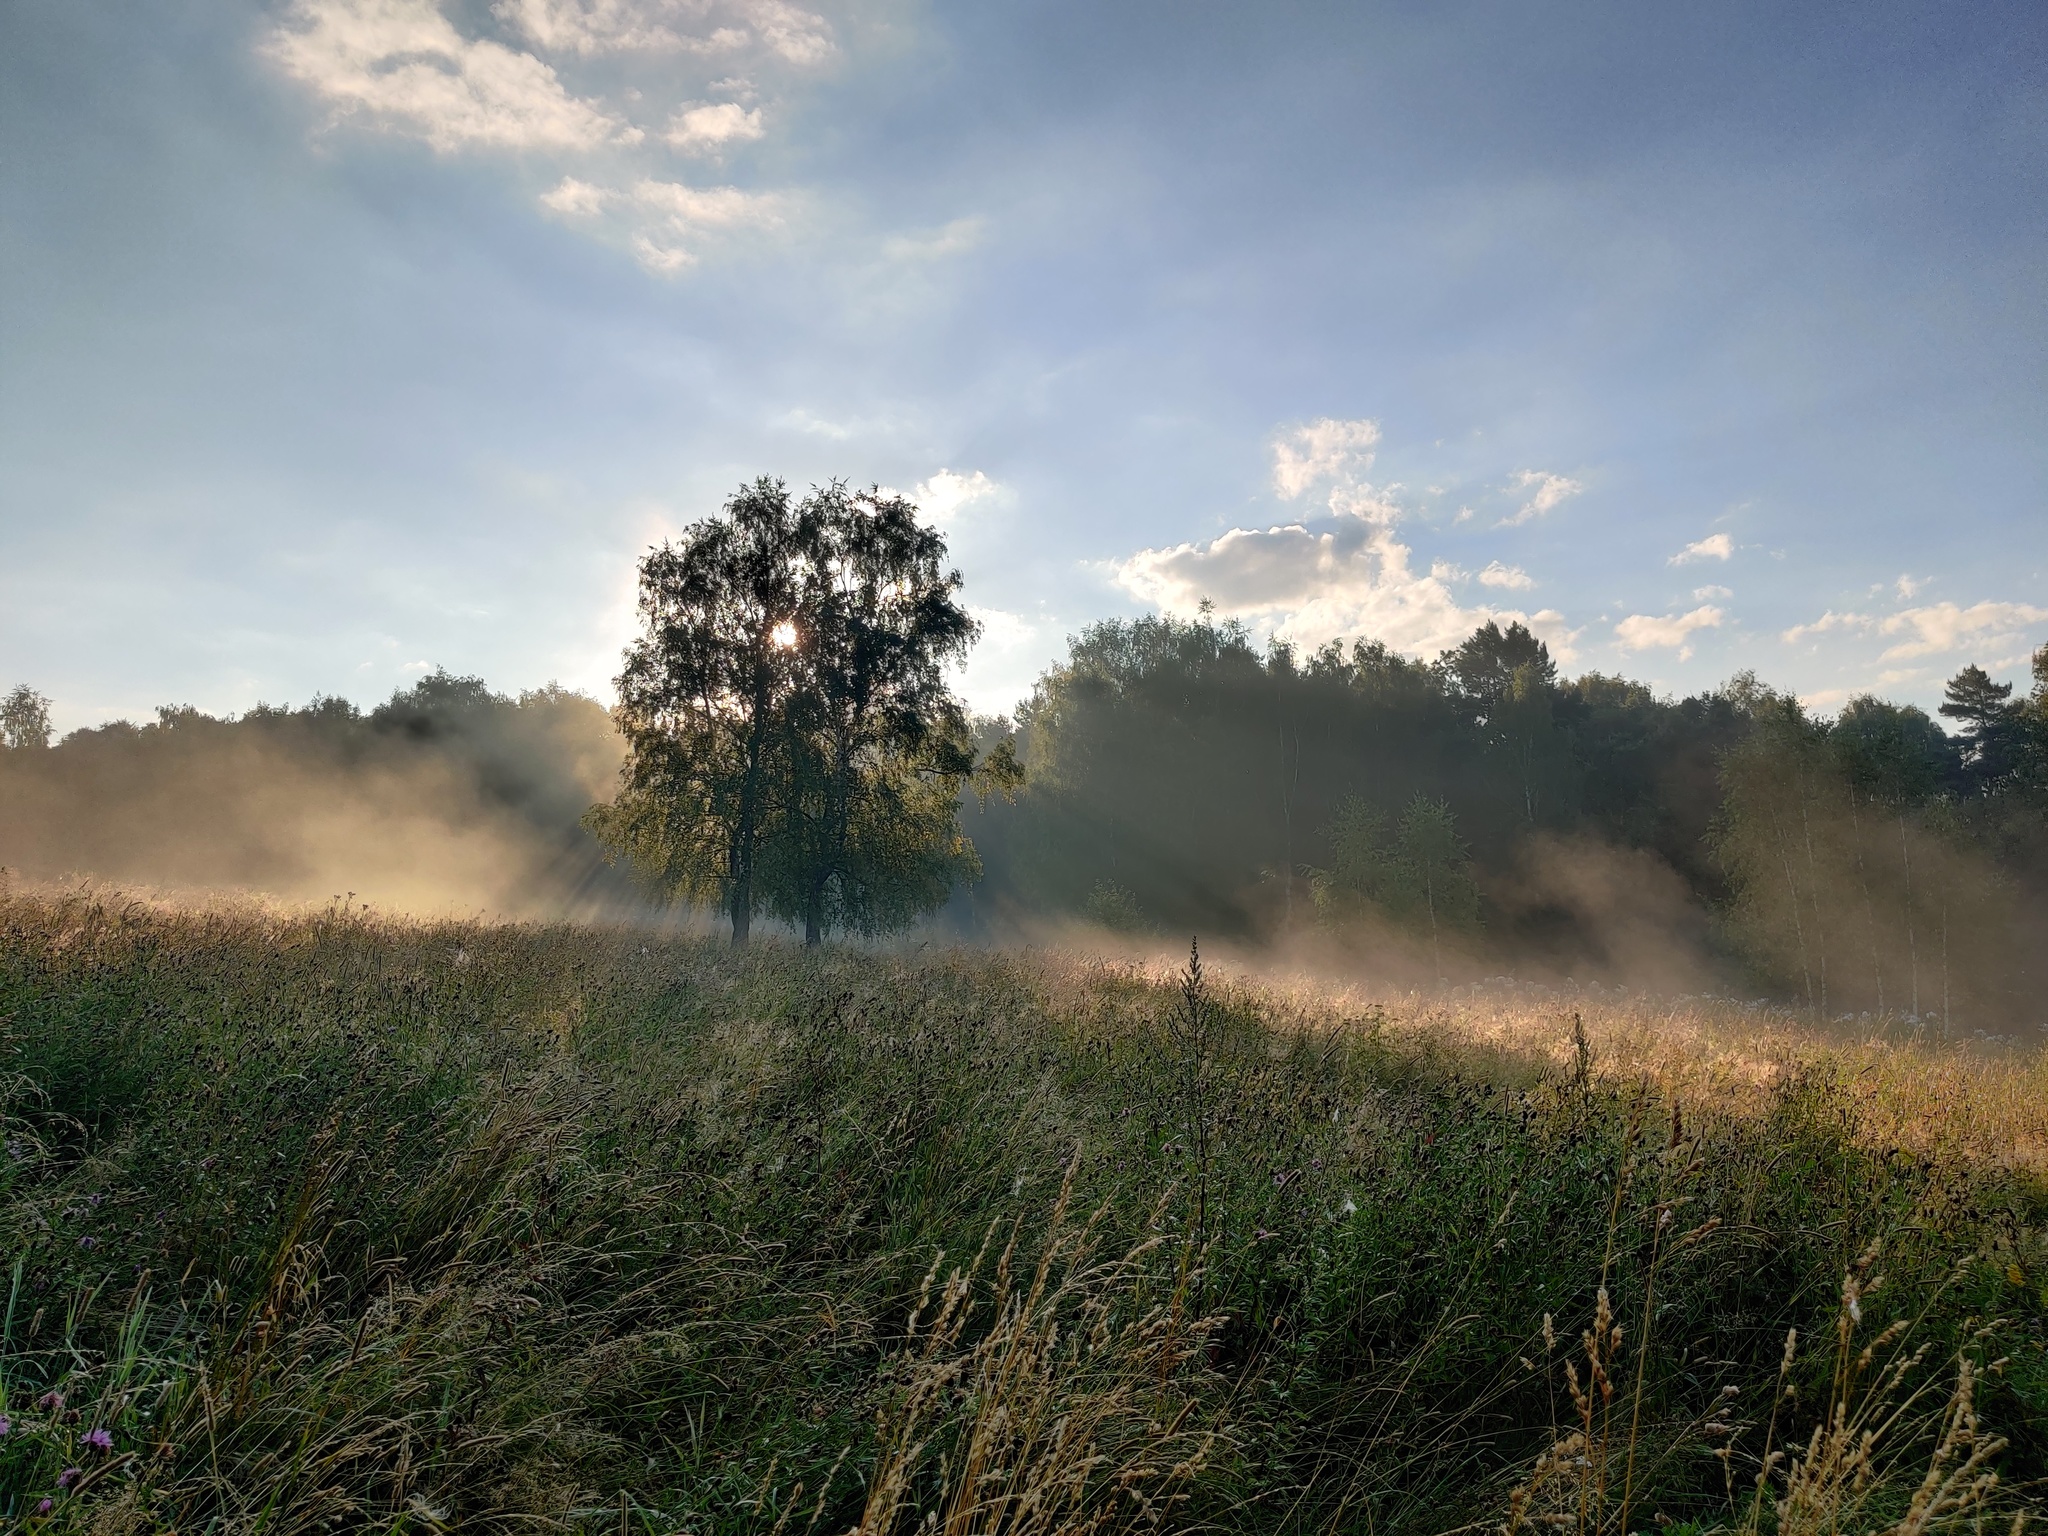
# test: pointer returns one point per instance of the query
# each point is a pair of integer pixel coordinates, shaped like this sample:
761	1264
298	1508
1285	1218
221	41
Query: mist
1359	814
448	799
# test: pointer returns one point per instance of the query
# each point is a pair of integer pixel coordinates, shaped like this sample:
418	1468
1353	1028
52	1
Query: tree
792	746
1990	722
704	696
1438	866
871	724
1422	874
1485	664
24	719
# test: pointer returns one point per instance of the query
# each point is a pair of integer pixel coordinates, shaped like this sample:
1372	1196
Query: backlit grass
332	1222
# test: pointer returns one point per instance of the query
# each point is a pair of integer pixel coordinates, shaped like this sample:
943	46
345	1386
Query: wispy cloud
1825	623
949	239
1323	450
1643	631
663	221
1715	546
1709	593
588	27
400	66
1935	630
948	493
1549	491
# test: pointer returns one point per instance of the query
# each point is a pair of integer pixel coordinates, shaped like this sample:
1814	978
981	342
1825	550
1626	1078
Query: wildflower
50	1401
101	1440
44	1507
6	1425
69	1476
88	1243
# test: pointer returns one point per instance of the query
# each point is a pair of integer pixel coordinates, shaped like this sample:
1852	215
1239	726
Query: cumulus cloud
401	66
1707	594
1643	631
1325	449
948	493
1513	577
1548	490
1909	587
1945	627
588	27
1351	579
659	216
1715	546
706	129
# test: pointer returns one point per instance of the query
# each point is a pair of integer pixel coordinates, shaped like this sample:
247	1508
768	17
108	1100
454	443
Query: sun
783	635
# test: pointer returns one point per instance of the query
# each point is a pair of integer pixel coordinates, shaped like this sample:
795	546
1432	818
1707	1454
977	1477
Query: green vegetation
330	1222
792	745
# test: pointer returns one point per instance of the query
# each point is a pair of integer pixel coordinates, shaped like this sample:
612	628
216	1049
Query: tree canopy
793	747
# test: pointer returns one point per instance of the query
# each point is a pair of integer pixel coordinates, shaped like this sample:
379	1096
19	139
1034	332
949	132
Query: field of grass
332	1222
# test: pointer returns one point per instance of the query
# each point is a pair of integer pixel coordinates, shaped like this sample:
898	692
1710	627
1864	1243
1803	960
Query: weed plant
326	1221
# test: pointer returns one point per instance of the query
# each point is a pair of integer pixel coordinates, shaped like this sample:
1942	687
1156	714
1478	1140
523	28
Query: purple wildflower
50	1401
101	1440
88	1242
69	1476
44	1507
6	1425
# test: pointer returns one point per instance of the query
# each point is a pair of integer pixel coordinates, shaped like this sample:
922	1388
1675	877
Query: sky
345	339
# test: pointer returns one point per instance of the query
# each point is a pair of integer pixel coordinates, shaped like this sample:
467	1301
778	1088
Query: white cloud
575	199
1549	491
401	65
700	130
1643	631
1312	585
948	240
1715	546
1825	698
1003	631
943	497
1708	594
1945	627
1322	450
588	27
657	215
800	36
1826	622
1513	577
1909	587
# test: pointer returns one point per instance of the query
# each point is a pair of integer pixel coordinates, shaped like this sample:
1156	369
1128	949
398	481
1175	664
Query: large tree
876	745
703	698
793	747
1990	723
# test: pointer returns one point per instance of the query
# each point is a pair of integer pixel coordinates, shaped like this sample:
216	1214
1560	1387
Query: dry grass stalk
1078	1409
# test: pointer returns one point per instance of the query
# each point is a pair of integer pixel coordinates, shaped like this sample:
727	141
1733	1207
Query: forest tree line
786	746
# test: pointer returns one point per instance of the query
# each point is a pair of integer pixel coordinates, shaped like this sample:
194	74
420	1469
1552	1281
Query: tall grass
325	1221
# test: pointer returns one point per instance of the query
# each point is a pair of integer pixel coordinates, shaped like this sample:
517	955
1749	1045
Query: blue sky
344	338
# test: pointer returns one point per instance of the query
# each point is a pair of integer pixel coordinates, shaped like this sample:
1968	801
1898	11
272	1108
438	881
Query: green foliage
24	719
792	745
1856	882
336	1223
1990	723
1175	759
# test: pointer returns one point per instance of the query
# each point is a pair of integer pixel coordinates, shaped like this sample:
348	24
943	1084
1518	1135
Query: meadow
322	1220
